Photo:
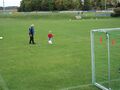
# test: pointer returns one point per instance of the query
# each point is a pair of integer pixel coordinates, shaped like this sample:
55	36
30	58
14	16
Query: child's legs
49	39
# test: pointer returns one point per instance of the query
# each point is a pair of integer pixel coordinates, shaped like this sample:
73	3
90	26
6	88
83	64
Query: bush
116	12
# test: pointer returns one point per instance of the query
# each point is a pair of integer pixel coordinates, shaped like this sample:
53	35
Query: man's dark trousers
31	40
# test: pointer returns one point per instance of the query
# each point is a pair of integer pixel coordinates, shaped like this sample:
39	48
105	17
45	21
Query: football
50	42
1	37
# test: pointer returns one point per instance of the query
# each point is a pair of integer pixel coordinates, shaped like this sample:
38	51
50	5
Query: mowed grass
65	64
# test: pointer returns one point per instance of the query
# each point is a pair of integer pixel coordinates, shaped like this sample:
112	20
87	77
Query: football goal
105	58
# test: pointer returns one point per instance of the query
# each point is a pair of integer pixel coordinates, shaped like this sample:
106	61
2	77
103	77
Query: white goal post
106	33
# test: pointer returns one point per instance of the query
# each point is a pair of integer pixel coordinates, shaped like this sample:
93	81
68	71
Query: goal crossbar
105	30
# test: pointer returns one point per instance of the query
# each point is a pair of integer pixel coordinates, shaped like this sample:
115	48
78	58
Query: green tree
36	5
50	5
76	4
59	5
87	5
67	4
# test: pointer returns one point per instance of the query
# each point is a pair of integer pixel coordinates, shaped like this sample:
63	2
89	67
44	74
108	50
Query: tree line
58	5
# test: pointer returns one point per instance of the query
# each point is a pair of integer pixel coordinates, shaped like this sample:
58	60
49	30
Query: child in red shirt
50	36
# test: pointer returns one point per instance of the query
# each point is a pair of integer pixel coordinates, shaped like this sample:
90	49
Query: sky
10	2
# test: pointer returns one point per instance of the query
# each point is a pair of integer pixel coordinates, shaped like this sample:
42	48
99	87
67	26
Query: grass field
65	65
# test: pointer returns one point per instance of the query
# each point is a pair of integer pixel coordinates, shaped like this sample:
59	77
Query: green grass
66	63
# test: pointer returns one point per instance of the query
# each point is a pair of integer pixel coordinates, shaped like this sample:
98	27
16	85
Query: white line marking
74	87
86	85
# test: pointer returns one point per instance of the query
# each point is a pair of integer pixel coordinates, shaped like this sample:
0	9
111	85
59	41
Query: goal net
105	55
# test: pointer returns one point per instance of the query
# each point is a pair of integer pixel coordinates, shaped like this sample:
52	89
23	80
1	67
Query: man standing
31	34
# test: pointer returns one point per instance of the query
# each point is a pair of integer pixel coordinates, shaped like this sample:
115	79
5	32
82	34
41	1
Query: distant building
10	8
1	8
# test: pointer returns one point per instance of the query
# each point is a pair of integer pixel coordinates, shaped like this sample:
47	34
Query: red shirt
50	35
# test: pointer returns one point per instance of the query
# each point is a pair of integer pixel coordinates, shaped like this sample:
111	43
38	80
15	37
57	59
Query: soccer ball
1	37
49	42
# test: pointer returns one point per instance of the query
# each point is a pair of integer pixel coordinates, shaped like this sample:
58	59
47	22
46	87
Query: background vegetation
53	5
